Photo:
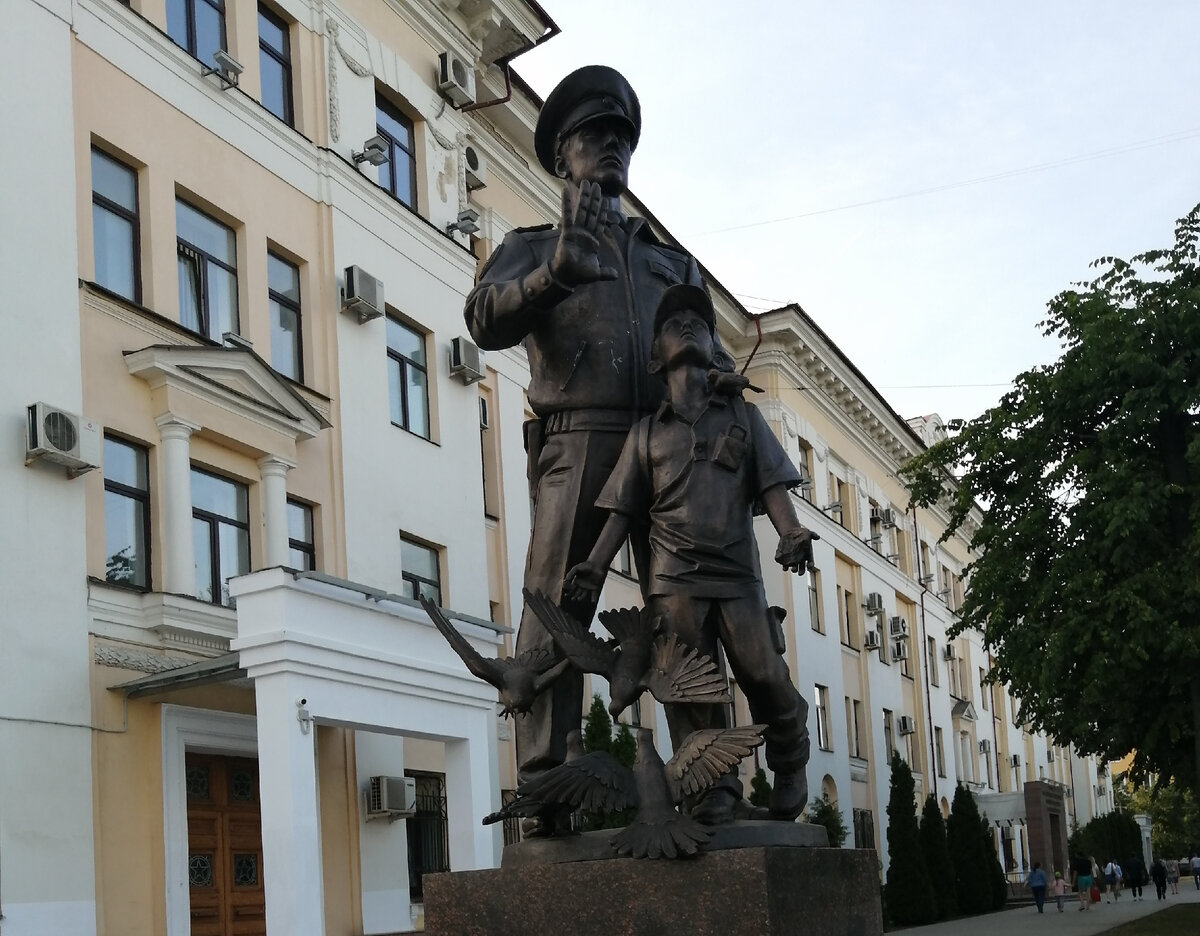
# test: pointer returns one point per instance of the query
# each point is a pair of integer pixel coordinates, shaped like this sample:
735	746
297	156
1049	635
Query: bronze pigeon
640	657
598	783
519	679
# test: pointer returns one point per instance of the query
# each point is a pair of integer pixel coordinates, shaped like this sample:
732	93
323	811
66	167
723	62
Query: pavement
1099	918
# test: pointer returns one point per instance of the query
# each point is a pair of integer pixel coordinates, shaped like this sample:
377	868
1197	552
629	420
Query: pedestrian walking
1081	872
1037	884
1173	874
1196	867
1133	874
1060	890
1158	874
1110	881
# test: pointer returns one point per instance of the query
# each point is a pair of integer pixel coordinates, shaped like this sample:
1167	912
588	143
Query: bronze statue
641	657
581	296
698	468
596	781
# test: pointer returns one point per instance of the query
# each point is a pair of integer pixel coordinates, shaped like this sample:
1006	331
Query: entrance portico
325	652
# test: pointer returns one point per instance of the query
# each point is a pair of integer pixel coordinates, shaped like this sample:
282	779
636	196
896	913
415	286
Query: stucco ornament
357	68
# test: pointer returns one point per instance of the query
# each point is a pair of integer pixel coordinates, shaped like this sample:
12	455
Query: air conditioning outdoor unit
1101	790
456	79
898	627
899	650
985	746
1015	760
887	518
950	652
466	363
63	438
362	295
874	603
908	724
477	167
390	798
871	640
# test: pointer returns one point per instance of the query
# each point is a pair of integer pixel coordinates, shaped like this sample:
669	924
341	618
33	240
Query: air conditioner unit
63	438
466	363
477	167
899	650
908	724
1101	790
390	798
362	295
871	640
456	79
1015	760
949	652
874	603
484	417
887	518
985	746
897	627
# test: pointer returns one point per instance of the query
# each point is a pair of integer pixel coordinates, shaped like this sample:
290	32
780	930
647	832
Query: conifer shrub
908	892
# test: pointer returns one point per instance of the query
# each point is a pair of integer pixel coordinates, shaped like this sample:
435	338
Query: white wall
47	882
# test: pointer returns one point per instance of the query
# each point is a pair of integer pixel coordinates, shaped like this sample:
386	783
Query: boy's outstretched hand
583	581
795	552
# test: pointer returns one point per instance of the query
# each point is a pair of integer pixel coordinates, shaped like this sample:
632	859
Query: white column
179	559
287	770
472	791
273	471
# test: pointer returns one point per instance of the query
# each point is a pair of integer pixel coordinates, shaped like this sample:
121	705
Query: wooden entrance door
225	871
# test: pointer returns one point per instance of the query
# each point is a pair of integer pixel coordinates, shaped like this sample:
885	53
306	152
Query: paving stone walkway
1100	918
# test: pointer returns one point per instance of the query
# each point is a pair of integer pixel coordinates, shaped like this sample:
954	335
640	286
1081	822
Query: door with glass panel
225	872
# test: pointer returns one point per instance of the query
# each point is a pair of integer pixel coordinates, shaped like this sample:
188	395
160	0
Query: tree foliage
1084	580
1113	835
972	881
908	891
598	736
997	880
1174	818
825	812
937	858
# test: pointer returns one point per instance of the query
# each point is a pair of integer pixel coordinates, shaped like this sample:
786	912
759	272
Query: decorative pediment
965	710
233	380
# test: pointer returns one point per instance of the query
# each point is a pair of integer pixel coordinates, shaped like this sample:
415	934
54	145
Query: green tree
760	789
1113	835
598	736
624	745
937	858
825	812
972	886
1084	583
597	727
997	881
908	892
1174	817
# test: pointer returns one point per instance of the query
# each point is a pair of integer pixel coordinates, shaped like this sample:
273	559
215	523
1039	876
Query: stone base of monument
735	889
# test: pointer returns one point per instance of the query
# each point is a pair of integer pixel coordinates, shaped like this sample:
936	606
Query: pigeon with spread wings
640	656
597	782
518	679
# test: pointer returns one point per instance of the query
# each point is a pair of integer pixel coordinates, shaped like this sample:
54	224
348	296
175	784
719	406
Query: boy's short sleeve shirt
697	482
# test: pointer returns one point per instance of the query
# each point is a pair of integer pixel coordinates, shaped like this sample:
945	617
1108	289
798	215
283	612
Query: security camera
226	69
301	702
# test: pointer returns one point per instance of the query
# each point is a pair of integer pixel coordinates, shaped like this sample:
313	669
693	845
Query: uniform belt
576	420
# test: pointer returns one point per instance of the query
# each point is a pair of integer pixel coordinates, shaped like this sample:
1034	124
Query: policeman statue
581	296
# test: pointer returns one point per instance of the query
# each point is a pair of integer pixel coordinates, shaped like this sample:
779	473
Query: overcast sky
761	110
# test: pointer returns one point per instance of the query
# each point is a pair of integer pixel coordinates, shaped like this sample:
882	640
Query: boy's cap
684	296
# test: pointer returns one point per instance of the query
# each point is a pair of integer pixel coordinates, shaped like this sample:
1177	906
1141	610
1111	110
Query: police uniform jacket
589	346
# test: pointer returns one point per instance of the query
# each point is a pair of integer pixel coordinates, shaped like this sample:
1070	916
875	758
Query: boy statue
699	468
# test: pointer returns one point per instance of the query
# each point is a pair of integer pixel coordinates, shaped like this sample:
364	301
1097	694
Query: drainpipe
505	63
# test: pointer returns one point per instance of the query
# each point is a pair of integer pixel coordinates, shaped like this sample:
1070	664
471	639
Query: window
932	657
126	514
889	742
939	752
858	722
428	831
408	379
847	621
821	704
115	226
198	26
420	571
623	560
875	527
220	534
302	546
275	64
814	601
806	471
983	691
635	712
399	174
283	296
954	671
489	451
208	298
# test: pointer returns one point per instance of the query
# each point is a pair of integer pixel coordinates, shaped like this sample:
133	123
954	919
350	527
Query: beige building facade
238	280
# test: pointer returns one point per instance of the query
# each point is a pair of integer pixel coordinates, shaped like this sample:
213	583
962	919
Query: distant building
214	677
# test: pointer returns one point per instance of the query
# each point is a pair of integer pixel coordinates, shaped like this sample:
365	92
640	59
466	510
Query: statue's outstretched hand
795	552
576	259
583	581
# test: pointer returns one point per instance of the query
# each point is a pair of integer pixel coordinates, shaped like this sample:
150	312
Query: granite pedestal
753	891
